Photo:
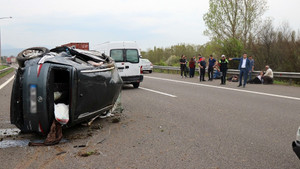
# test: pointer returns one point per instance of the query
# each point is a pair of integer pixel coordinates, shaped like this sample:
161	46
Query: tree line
236	27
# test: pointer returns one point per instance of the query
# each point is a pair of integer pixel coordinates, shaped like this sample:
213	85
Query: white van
127	57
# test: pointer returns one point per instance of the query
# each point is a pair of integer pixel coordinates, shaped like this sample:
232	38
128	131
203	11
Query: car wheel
136	84
150	71
30	53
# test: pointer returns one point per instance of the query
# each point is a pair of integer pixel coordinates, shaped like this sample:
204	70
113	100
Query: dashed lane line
226	88
154	91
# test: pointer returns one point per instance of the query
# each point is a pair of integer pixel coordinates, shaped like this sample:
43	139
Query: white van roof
120	44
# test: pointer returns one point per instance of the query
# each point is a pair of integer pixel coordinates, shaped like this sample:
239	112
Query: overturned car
86	82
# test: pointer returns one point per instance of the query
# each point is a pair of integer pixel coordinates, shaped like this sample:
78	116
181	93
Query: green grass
286	83
6	72
3	67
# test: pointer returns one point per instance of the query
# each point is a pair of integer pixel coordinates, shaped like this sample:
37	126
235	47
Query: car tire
150	71
33	52
136	84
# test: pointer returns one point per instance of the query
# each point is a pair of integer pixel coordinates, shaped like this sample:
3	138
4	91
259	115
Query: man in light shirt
268	76
244	68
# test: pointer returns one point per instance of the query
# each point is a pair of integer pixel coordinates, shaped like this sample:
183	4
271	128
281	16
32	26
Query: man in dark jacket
182	66
202	66
244	68
211	66
223	69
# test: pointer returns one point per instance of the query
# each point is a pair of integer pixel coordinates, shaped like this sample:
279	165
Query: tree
236	19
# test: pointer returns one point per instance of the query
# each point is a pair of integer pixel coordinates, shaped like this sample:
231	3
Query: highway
170	122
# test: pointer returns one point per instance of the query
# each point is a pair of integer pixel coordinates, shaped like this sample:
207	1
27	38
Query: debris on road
79	146
89	153
116	120
53	137
100	142
60	153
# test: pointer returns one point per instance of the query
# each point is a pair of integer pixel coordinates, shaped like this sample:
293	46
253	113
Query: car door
132	64
92	88
118	56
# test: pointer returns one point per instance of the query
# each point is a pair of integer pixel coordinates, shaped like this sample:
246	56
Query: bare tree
233	18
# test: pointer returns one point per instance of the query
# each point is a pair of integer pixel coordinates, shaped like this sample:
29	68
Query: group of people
246	68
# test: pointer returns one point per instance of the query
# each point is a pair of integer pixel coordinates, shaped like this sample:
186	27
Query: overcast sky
160	23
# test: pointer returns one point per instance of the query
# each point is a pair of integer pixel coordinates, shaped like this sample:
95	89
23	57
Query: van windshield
131	55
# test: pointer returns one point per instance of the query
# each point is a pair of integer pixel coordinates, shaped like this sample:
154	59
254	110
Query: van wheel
30	53
150	71
136	84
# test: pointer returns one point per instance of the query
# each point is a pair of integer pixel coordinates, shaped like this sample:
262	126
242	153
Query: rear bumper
296	148
132	79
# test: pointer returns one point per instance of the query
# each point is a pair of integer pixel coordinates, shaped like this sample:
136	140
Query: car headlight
33	104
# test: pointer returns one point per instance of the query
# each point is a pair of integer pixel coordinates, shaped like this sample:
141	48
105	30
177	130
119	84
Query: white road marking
162	93
226	88
5	83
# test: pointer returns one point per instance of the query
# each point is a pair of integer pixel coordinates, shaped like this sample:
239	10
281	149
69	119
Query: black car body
88	90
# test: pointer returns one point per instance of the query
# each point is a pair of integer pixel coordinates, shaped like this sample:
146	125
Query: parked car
296	144
127	57
146	65
86	81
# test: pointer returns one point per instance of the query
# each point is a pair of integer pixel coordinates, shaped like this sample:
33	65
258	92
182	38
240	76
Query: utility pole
0	35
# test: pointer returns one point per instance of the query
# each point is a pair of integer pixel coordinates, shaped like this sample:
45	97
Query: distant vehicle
8	60
78	45
87	82
146	65
296	144
127	55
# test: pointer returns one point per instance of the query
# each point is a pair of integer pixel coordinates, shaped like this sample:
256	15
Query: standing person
211	66
251	67
223	69
244	68
194	58
182	66
202	66
192	67
199	60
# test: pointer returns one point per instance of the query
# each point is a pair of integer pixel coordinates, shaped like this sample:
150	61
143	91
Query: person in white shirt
258	79
268	76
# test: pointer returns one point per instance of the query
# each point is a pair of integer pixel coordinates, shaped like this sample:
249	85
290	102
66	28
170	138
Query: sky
160	23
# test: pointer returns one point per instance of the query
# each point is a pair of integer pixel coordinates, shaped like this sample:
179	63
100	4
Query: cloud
149	22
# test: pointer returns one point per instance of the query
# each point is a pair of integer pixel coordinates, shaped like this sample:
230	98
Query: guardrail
288	75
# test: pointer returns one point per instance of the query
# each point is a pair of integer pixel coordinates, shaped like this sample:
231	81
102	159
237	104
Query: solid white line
5	83
162	93
226	88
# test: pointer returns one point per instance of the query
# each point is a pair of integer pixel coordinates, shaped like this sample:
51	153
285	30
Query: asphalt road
175	123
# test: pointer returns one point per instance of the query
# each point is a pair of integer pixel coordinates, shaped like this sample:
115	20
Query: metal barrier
288	75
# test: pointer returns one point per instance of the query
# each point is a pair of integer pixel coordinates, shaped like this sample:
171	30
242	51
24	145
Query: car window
132	55
117	55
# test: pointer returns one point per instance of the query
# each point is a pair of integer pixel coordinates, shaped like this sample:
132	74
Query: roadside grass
6	72
3	67
286	83
276	81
